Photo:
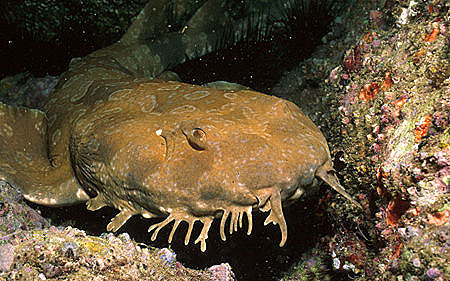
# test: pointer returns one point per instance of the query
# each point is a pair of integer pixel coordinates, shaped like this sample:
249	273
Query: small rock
221	272
433	273
6	257
416	262
336	263
50	270
70	249
167	255
125	237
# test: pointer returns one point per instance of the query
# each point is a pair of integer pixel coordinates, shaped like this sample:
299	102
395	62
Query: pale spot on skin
230	95
99	101
119	94
197	95
73	81
248	112
7	131
111	111
81	92
172	95
56	136
212	110
168	87
112	130
149	105
46	201
229	106
38	126
183	109
77	114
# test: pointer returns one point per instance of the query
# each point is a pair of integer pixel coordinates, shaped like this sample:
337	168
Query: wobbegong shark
111	134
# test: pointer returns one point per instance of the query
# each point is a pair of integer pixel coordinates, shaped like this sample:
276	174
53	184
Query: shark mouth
270	200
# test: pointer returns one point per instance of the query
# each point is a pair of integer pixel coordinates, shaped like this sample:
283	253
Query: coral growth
390	137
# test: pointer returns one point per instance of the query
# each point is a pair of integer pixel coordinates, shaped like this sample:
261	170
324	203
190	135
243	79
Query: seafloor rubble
32	249
379	89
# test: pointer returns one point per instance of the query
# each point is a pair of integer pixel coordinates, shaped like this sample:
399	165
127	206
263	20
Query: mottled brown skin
112	137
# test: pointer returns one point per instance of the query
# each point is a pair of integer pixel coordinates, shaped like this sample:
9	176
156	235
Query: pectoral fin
24	161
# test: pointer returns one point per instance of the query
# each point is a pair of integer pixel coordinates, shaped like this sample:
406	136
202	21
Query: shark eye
197	139
199	134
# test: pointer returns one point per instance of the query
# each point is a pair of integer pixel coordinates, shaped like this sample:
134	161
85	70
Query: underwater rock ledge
31	249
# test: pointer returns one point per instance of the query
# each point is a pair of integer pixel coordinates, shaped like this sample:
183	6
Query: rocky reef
381	97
